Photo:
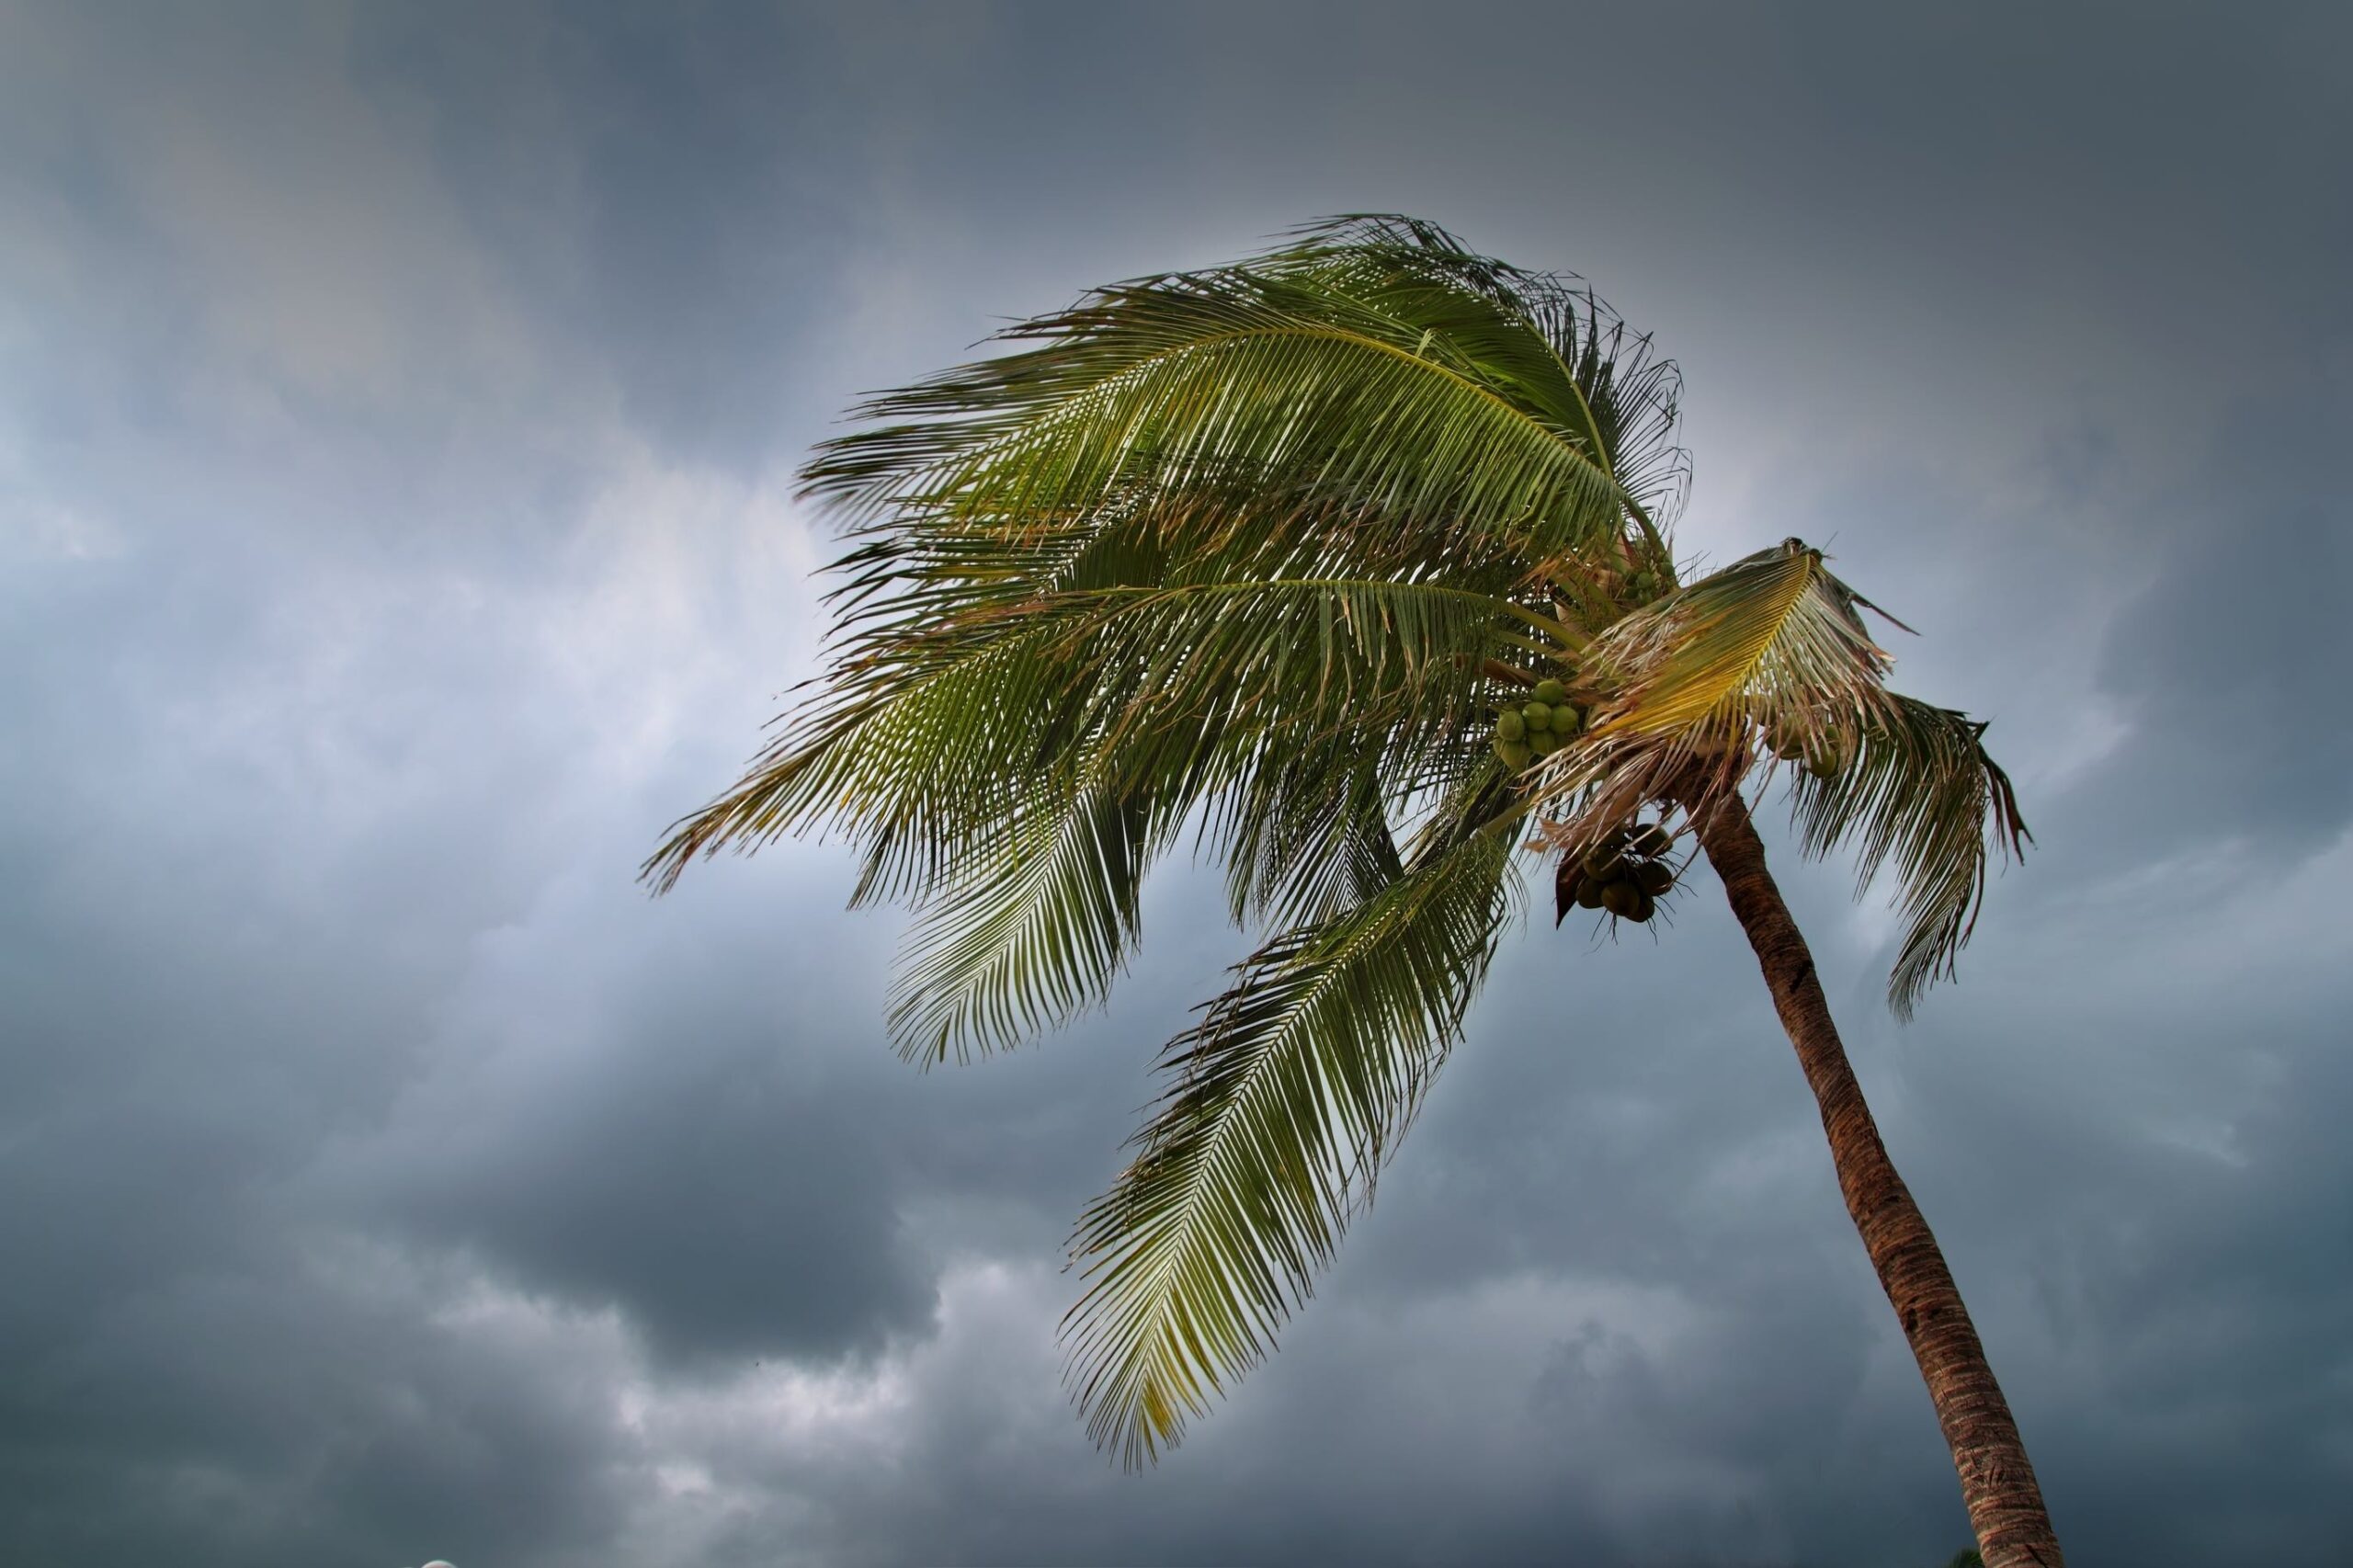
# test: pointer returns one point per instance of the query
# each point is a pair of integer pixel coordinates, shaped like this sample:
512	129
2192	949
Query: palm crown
1272	556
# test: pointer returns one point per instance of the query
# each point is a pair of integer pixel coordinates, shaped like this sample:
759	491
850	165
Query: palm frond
885	752
1681	686
1284	1099
1226	687
1276	375
1774	630
1031	930
1920	794
993	777
918	728
1582	365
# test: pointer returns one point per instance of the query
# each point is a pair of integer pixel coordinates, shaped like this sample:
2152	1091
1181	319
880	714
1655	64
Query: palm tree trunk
1997	1482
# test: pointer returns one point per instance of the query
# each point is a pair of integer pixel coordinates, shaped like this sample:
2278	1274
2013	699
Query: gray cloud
2226	660
395	407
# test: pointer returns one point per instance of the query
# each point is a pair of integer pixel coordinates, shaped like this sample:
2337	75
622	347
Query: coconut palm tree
1351	562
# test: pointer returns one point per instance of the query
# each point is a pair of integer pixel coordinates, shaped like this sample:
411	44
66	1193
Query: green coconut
1644	907
1826	761
1516	753
1605	865
1510	725
1655	877
1539	715
1652	840
1621	899
1544	742
1551	693
1567	720
1588	893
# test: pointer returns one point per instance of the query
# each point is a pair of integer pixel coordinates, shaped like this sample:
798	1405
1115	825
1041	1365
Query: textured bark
2004	1504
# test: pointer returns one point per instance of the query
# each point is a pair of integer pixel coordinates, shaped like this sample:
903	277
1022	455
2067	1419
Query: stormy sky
398	407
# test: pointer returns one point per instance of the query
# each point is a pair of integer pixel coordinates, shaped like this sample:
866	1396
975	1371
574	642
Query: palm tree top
1270	556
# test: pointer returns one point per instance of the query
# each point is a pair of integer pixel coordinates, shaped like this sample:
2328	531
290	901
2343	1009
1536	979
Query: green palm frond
1582	365
966	660
1033	919
1919	793
1284	1099
1305	836
1000	781
1032	929
1362	372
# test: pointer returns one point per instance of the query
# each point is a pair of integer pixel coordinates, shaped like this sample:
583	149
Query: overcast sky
398	404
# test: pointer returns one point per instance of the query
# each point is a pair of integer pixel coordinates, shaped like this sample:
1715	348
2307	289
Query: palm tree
1351	562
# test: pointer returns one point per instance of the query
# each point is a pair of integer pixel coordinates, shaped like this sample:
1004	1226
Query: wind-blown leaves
1387	366
1305	837
1581	364
1774	631
1033	920
1261	550
1284	1100
1032	931
1919	793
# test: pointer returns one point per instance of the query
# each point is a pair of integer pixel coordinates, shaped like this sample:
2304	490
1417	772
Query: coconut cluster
1626	873
1825	759
1540	726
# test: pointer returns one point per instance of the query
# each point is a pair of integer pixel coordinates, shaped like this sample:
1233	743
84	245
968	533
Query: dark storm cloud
654	183
284	1415
394	410
2187	1248
689	1152
2231	660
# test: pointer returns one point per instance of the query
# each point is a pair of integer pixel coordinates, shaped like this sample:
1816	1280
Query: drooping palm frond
1283	1101
1031	929
1305	836
1306	685
1015	798
989	655
1920	793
